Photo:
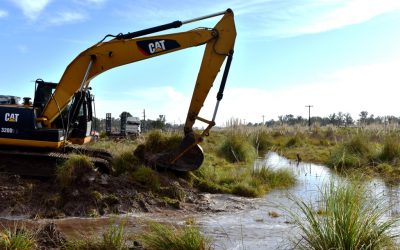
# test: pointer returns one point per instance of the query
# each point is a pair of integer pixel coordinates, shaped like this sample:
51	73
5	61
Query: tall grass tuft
262	141
391	149
17	238
158	141
278	178
125	161
113	239
73	170
353	153
237	148
350	220
296	140
160	237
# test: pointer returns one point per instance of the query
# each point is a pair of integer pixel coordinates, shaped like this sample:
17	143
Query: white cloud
277	18
67	17
31	8
373	88
3	13
352	12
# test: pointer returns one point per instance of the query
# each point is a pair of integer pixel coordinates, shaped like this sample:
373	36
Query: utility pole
263	119
309	114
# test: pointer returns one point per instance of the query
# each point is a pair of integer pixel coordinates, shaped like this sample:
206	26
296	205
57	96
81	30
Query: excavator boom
124	50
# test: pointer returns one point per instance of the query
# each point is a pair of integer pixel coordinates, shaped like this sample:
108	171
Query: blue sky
337	55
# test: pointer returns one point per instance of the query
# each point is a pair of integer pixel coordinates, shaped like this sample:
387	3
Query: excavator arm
128	48
125	49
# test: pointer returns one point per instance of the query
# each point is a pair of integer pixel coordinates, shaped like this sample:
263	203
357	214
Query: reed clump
356	152
188	237
391	149
237	148
17	238
351	219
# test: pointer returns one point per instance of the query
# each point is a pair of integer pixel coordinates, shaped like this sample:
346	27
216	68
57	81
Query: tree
123	113
363	117
348	120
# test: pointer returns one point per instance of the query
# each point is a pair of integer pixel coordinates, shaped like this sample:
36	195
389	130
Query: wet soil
31	198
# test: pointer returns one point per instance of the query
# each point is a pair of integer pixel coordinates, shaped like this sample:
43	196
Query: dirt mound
44	198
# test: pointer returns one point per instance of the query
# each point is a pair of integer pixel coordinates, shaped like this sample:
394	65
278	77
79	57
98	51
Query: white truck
133	126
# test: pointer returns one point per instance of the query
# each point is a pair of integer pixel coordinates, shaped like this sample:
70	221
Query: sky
337	55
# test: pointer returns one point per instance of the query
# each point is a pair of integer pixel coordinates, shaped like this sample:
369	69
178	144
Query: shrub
351	220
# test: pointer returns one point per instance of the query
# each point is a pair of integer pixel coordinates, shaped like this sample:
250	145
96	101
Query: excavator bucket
187	157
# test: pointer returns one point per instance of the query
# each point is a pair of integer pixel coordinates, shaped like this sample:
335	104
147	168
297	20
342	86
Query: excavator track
44	163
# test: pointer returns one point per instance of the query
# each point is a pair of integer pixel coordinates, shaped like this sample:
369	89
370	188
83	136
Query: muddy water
236	223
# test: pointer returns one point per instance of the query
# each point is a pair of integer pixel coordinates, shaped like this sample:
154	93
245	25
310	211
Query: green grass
262	141
113	239
125	162
161	237
346	218
237	148
74	170
390	150
147	177
239	179
158	141
17	238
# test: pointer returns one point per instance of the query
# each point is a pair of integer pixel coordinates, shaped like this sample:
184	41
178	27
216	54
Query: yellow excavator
60	117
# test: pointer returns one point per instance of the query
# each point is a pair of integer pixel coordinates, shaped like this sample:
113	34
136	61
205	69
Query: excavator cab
43	93
75	119
80	118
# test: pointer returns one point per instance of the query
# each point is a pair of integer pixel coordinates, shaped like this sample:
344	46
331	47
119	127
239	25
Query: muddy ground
44	198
